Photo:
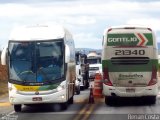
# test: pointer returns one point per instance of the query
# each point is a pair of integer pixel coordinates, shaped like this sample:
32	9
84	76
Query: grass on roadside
3	87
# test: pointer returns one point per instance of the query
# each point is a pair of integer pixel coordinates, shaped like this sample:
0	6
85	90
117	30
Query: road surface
81	110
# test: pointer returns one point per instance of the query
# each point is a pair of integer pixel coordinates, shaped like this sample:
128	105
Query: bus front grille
129	60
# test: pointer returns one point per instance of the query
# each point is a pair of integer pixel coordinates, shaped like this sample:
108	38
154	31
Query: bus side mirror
4	56
67	54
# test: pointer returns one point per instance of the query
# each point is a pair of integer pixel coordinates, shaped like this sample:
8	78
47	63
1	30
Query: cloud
87	40
76	8
78	20
82	11
15	10
150	22
85	18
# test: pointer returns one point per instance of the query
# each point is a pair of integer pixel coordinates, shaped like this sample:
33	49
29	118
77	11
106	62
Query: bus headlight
12	89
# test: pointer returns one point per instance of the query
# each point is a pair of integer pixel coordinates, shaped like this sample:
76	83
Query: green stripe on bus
149	38
130	68
49	87
127	39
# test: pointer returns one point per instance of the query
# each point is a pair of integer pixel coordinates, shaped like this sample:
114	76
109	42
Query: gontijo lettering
124	39
129	39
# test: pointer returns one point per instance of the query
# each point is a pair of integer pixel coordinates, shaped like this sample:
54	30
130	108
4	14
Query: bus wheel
17	108
87	85
152	99
71	100
57	107
64	105
78	92
81	87
108	100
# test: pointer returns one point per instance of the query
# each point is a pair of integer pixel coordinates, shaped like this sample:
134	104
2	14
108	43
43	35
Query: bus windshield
36	61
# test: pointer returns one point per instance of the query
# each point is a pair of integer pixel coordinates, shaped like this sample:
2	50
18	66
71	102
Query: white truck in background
95	65
82	70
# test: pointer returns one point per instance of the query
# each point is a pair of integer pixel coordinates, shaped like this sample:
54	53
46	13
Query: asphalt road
81	110
128	110
46	112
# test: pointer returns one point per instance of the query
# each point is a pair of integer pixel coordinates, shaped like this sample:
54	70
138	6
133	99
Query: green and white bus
41	65
129	63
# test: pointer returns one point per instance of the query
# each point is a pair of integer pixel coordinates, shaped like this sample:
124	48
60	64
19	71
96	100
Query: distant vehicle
77	86
93	69
82	70
79	76
93	58
95	65
129	63
41	65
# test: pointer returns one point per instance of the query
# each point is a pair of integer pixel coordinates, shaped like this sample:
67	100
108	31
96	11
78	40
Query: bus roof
127	27
38	32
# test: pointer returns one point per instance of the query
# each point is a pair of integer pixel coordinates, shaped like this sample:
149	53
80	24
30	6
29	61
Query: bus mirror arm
4	56
79	80
67	54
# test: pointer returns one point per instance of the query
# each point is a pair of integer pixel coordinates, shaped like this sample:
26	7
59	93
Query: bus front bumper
130	91
57	97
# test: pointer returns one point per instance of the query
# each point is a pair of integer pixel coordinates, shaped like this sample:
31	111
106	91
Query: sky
85	19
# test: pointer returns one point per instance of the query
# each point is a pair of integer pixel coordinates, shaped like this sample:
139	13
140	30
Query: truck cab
82	70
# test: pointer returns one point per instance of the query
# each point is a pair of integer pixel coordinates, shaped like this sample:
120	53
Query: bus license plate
130	90
37	99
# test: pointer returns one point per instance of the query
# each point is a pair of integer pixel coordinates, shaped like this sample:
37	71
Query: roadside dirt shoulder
3	80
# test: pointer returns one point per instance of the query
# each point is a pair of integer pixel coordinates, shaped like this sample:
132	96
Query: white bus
41	65
129	63
82	70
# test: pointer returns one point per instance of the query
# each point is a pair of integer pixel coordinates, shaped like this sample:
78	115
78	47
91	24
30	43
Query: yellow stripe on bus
26	88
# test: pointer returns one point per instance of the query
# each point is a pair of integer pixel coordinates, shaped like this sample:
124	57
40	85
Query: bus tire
78	91
152	99
71	100
64	105
81	87
17	108
108	100
86	85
